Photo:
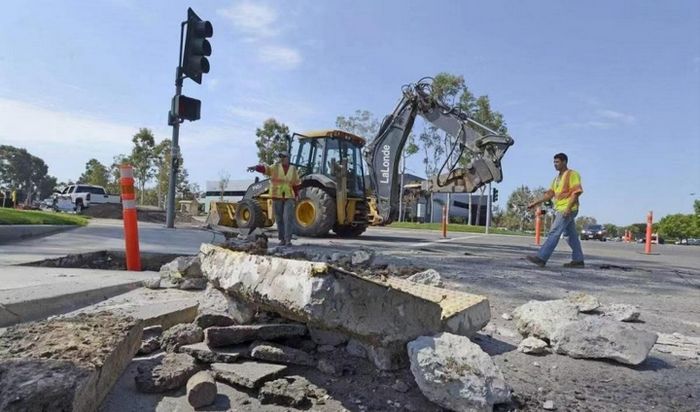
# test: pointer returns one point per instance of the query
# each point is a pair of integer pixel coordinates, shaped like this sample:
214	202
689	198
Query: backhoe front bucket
222	214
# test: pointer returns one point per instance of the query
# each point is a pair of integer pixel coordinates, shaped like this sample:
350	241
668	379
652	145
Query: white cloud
280	57
254	19
617	117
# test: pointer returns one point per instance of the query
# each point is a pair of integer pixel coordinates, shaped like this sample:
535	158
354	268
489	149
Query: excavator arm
483	147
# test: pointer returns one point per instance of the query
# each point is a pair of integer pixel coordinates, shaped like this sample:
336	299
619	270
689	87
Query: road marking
443	241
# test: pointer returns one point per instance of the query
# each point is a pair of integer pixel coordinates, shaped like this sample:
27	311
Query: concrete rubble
391	311
542	318
601	338
165	373
272	352
209	319
230	335
203	353
201	389
180	335
150	342
248	374
429	277
456	374
217	302
65	364
584	302
686	347
621	312
532	345
294	391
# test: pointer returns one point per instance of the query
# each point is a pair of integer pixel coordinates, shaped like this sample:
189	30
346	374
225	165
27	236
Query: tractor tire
349	230
314	214
249	214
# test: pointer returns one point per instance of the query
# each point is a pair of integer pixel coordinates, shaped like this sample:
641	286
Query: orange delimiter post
444	221
131	229
538	226
650	220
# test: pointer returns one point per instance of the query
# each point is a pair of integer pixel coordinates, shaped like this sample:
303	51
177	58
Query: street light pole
174	147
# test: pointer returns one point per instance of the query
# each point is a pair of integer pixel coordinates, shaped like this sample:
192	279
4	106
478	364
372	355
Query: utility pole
488	210
192	63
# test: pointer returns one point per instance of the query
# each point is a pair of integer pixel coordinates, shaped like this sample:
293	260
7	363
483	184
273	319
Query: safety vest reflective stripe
566	191
281	183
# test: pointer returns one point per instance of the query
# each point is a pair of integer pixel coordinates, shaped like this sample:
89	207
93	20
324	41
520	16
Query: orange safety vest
282	184
564	187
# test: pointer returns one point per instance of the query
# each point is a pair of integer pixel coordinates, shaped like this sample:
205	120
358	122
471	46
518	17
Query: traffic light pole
174	147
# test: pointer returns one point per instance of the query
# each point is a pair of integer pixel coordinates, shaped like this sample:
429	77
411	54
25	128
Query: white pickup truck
78	197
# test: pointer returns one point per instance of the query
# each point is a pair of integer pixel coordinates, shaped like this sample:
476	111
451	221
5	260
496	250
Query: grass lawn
35	217
455	227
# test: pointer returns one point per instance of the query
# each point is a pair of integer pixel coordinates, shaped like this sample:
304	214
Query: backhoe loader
333	193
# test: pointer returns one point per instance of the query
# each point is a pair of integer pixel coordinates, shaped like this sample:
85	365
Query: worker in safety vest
565	190
284	189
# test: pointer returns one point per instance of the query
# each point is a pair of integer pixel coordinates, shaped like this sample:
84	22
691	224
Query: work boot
288	243
534	259
575	264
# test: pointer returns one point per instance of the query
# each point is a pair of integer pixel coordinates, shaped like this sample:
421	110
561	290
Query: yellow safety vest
281	184
565	187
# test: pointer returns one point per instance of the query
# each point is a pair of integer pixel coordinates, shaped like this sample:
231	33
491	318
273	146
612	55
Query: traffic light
197	47
186	108
494	195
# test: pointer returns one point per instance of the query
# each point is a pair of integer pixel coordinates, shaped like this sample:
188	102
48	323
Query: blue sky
614	84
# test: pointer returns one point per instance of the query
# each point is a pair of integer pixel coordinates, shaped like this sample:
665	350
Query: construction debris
533	346
150	342
205	354
621	312
327	337
686	347
65	364
598	338
456	374
542	318
167	372
584	302
272	352
216	301
247	374
295	391
429	277
180	335
201	389
231	335
206	320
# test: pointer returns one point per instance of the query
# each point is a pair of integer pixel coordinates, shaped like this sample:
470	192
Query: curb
14	233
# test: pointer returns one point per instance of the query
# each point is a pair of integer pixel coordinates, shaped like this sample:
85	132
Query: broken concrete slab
167	372
271	352
456	374
193	284
387	357
206	354
247	374
600	338
182	267
216	301
33	293
206	320
541	318
294	391
378	310
327	337
201	389
686	347
429	277
532	345
230	335
150	342
584	302
65	364
621	312
180	335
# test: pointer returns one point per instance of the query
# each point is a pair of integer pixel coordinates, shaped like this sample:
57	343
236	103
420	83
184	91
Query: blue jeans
567	226
284	217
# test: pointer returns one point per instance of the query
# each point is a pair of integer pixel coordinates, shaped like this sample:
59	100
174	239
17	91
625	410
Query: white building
234	191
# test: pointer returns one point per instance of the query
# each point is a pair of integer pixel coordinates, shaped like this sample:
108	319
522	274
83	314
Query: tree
613	231
583	221
696	206
362	123
142	158
224	178
517	205
95	174
24	172
113	185
273	137
680	226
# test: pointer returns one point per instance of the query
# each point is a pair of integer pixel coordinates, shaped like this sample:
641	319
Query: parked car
594	232
79	197
655	238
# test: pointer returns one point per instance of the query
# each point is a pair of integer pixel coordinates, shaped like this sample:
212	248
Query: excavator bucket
222	214
481	172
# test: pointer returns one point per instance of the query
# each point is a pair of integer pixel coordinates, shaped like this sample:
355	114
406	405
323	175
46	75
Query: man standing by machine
284	189
565	190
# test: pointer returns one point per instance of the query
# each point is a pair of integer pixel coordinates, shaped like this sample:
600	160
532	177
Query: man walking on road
284	189
565	190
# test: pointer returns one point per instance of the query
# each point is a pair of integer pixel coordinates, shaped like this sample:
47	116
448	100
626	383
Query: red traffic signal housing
197	47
